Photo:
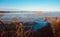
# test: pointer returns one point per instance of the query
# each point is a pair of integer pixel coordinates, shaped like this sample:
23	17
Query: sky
30	5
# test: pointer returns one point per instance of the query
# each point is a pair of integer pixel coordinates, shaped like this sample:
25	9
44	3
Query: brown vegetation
55	24
18	31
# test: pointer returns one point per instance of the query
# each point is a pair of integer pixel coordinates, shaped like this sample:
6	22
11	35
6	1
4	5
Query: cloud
40	9
29	9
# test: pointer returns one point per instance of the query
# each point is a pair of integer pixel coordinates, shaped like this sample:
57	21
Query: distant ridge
36	13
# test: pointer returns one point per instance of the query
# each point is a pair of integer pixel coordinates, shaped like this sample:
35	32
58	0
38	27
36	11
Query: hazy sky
30	5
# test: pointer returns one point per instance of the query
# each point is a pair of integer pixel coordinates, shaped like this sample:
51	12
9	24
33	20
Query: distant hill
32	13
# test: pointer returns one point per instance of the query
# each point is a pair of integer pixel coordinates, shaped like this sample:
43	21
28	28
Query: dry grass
55	24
